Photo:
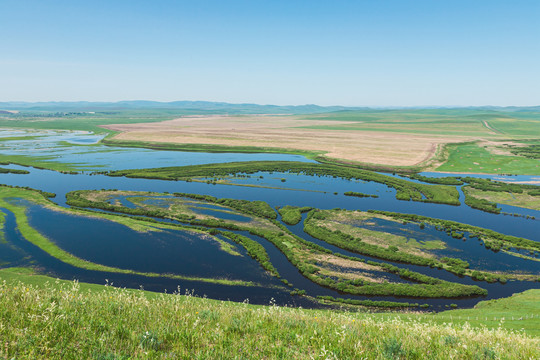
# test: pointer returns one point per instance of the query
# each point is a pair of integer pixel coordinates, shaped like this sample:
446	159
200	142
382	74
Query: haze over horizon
143	103
372	54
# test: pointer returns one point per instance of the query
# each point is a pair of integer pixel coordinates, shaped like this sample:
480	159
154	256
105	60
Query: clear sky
356	53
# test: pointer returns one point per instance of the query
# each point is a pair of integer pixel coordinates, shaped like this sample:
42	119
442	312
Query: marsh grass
527	199
59	320
35	237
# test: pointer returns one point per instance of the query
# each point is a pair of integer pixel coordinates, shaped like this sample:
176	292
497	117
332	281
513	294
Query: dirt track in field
375	147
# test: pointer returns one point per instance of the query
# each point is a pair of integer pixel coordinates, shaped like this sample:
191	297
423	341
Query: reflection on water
166	251
81	148
10	254
176	252
470	249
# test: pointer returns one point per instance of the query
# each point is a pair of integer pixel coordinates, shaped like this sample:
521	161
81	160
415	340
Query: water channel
181	252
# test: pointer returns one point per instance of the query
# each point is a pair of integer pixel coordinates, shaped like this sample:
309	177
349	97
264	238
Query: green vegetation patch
471	158
478	202
13	171
366	303
39	162
491	239
527	199
520	312
372	243
105	323
309	258
531	151
484	194
437	180
292	215
350	223
45	244
406	190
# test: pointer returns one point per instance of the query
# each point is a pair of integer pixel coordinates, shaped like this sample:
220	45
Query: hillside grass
55	319
521	311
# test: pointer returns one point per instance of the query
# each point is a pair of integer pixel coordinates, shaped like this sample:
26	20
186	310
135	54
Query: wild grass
491	239
39	162
63	320
521	311
292	215
524	200
471	158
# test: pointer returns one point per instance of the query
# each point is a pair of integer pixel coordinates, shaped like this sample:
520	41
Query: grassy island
315	262
406	190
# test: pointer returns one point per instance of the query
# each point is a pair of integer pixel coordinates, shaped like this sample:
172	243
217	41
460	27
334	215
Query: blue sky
357	53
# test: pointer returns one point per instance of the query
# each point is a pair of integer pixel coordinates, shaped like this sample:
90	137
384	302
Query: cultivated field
294	133
395	138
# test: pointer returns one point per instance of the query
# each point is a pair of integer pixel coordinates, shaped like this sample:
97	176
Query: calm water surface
183	253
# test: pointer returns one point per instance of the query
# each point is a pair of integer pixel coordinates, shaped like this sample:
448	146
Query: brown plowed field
375	147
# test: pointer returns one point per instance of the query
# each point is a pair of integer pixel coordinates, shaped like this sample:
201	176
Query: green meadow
41	317
458	121
55	319
471	158
461	125
87	121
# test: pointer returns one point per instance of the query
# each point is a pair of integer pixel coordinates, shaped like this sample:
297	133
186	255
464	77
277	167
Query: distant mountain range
174	105
78	106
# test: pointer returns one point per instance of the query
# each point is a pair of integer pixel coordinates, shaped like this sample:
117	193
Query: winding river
178	252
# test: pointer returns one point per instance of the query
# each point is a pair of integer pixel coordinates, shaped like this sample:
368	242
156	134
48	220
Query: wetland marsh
243	248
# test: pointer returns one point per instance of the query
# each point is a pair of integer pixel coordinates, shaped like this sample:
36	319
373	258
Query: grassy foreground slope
43	318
